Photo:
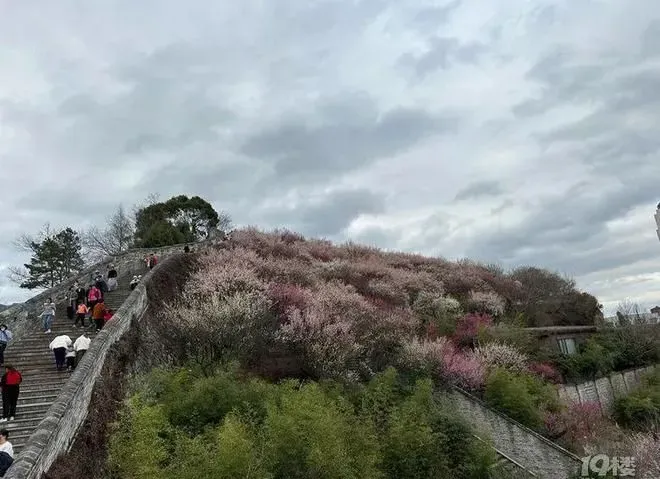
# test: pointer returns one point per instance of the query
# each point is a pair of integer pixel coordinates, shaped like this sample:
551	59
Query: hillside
302	356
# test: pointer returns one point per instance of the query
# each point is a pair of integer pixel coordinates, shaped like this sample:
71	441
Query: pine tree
55	257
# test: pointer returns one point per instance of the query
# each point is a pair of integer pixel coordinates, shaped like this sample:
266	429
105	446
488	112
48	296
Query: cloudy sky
518	132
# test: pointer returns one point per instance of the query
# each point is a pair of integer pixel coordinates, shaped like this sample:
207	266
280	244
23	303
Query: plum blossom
501	355
470	326
487	302
450	364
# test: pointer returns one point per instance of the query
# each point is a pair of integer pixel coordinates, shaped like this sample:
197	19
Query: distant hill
5	306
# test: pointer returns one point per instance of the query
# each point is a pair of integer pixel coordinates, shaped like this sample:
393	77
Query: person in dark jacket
10	383
81	294
71	302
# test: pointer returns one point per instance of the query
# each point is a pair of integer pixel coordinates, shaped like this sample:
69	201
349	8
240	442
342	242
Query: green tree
54	257
177	220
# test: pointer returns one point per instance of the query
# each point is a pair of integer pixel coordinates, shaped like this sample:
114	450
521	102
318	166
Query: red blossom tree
469	327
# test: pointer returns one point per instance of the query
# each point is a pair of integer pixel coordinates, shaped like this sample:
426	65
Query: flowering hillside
345	312
283	306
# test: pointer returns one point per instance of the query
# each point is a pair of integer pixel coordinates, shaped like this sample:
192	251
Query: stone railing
603	391
55	434
535	455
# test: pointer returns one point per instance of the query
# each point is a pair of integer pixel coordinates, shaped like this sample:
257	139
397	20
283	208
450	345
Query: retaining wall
56	432
603	391
536	455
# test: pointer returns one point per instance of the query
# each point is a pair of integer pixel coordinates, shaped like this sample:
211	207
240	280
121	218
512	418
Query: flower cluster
546	371
501	355
470	326
486	302
447	362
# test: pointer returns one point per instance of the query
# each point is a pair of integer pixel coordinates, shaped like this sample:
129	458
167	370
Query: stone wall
603	391
56	433
533	453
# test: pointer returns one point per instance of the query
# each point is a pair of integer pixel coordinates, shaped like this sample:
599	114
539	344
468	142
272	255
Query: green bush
512	335
613	349
226	426
139	445
592	360
521	396
640	410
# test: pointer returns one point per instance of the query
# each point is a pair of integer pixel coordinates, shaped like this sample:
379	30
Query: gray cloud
375	121
479	189
651	39
327	215
350	135
442	53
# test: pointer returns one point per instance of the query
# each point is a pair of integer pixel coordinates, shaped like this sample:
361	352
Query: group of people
82	303
68	354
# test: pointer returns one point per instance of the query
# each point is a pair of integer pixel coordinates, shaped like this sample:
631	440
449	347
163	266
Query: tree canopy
54	257
177	220
547	298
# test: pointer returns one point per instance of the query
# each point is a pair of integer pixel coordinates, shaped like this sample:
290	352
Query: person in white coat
59	345
81	346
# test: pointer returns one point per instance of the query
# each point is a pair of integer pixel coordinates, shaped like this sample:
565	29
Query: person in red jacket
107	316
10	384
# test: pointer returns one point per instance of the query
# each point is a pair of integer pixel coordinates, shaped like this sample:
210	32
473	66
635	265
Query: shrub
443	360
631	347
514	336
486	302
286	297
424	355
193	403
582	423
546	372
646	449
388	291
494	355
463	370
224	273
340	334
218	329
441	312
639	410
471	326
384	429
521	396
591	361
138	446
308	434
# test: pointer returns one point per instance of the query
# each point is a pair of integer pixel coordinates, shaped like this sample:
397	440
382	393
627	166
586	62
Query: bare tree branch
224	221
116	237
17	274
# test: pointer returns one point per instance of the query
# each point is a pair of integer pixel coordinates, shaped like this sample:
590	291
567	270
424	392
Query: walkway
41	381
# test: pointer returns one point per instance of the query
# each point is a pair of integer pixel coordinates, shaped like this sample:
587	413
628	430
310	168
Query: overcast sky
518	132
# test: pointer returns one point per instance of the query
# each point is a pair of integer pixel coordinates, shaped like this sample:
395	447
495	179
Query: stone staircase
41	381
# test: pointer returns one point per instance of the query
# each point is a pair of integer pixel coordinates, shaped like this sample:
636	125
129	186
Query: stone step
46	397
33	408
26	392
21	423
